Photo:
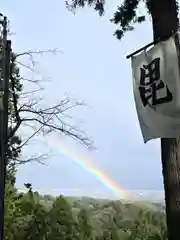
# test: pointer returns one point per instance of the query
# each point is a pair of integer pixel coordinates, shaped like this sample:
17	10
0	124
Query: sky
91	67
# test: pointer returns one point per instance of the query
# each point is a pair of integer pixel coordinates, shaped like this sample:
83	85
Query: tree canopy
31	215
126	15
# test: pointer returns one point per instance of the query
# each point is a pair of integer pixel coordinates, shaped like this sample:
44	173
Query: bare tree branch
39	159
46	119
31	53
34	81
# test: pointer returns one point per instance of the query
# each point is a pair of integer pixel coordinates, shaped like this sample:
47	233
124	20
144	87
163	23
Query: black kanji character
150	83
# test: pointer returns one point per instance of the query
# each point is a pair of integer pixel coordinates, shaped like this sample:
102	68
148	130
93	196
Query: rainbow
86	164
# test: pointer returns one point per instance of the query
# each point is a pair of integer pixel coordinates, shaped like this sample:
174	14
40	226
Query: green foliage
13	199
125	16
85	227
16	87
30	216
98	5
62	221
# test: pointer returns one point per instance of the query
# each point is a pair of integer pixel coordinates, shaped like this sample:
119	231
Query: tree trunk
171	172
165	23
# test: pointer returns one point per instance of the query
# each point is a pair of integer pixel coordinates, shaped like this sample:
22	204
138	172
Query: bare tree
26	109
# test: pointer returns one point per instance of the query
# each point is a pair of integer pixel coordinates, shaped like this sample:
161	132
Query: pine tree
61	221
84	225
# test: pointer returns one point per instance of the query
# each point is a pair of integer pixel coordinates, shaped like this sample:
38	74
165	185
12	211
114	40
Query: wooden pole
6	51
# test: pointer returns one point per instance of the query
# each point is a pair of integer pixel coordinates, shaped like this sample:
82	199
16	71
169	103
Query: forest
30	215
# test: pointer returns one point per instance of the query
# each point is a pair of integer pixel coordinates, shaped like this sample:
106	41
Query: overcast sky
93	68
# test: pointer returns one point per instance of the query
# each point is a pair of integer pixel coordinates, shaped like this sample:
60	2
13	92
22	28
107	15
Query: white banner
156	86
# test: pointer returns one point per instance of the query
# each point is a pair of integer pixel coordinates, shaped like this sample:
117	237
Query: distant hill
91	201
155	196
88	202
151	200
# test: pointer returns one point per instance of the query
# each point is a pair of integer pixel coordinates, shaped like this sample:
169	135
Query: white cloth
159	118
